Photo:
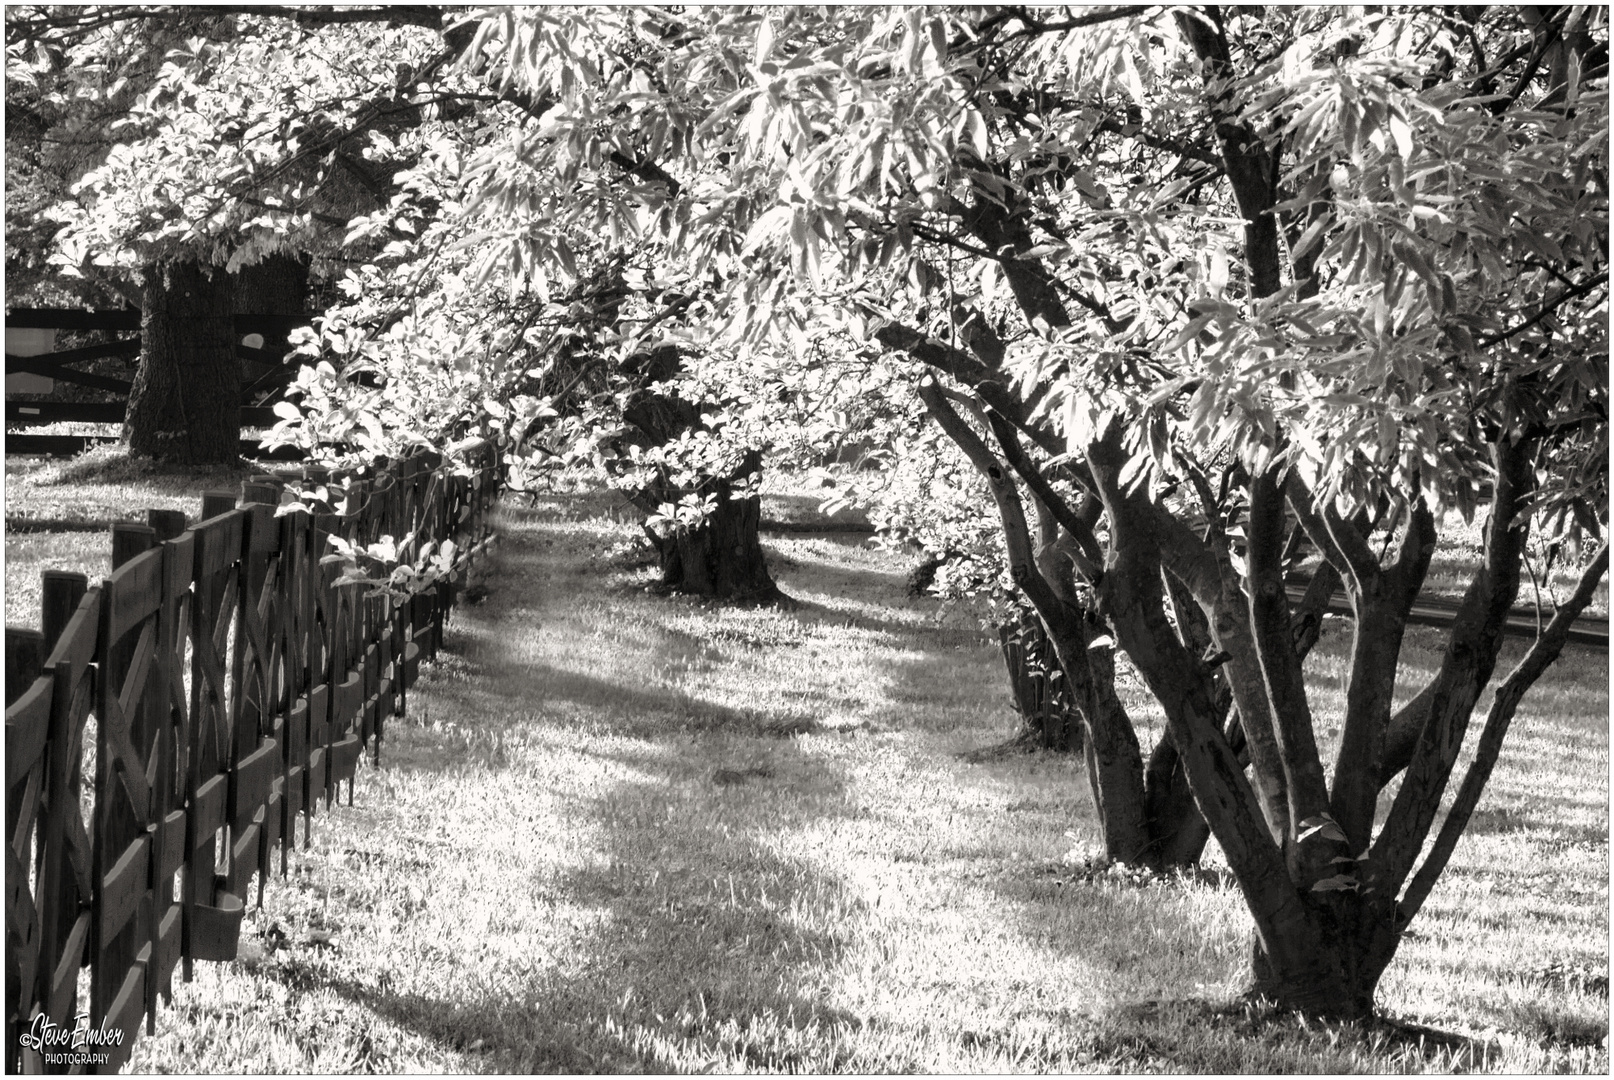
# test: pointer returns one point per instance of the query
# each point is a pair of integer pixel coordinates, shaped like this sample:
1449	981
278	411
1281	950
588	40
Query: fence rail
271	374
166	728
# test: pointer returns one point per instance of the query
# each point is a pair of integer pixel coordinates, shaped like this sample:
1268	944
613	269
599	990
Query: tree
243	138
1233	276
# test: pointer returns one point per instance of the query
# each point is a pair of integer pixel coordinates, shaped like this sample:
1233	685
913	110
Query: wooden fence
258	393
175	720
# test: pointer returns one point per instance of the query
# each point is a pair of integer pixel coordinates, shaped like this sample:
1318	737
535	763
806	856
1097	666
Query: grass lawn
59	513
619	832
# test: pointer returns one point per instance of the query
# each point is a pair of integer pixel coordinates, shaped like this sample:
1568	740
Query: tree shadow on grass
704	940
565	700
703	948
1250	1036
1146	1021
1126	924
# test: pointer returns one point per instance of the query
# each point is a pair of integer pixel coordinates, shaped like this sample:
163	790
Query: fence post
215	503
119	826
212	916
25	660
258	723
166	524
61	591
317	656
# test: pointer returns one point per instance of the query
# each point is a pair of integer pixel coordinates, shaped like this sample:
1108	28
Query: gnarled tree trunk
722	556
184	406
1148	818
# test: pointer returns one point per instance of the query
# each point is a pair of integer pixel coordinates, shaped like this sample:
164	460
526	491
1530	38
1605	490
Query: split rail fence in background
265	375
174	721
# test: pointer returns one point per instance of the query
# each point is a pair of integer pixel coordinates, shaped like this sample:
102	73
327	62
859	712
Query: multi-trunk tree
1210	289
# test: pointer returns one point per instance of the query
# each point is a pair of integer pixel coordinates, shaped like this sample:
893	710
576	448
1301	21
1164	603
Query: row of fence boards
35	367
232	685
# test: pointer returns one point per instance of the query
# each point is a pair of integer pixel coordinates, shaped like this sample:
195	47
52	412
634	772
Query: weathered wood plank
64	980
72	319
122	347
28	729
122	887
134	592
41	365
251	779
207	807
216	930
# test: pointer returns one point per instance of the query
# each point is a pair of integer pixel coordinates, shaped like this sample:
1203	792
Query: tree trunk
722	557
184	406
1164	830
1331	959
1048	717
278	285
1177	830
1159	832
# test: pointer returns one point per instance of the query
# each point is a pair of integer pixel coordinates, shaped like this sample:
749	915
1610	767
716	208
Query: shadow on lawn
705	948
1149	1024
587	702
715	947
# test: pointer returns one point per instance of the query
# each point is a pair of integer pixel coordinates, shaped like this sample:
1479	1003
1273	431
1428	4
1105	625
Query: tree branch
1542	652
1471	651
1280	669
1546	309
1381	607
1098	17
1016	533
1080	531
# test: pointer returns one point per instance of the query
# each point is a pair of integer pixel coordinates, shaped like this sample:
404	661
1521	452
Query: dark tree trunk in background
1049	718
721	557
1147	811
278	285
184	406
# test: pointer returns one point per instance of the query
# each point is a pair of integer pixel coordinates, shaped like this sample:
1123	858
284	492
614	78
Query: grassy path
627	833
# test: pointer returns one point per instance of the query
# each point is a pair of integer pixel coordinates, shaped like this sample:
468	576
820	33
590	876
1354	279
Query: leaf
1338	883
1401	132
1309	238
1187	334
975	131
1322	823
